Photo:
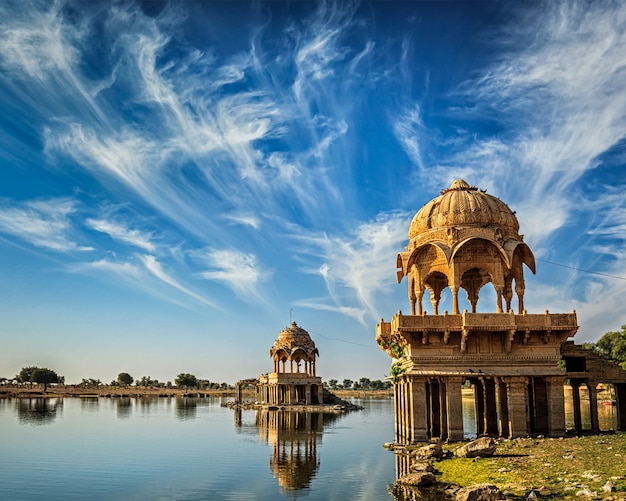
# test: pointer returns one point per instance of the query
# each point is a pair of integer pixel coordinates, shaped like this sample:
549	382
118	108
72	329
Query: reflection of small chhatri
517	363
294	381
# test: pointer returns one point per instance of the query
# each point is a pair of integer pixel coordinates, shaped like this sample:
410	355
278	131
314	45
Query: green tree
613	346
42	375
186	380
25	374
347	384
332	384
124	379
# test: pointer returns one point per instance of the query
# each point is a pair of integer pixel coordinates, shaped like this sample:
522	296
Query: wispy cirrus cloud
46	224
156	269
359	266
239	271
119	231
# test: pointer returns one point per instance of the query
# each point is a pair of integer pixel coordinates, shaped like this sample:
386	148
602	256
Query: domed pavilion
466	239
294	380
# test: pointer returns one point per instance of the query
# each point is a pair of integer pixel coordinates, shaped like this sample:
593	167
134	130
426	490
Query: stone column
418	409
620	396
593	406
443	410
479	406
454	400
517	406
491	412
503	410
556	405
455	300
578	422
435	409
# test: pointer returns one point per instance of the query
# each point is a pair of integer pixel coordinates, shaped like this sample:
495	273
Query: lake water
190	449
183	449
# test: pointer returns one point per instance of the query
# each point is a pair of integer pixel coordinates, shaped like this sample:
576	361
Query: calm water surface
190	449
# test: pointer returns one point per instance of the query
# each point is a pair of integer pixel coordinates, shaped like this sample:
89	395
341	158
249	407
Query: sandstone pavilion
517	363
293	380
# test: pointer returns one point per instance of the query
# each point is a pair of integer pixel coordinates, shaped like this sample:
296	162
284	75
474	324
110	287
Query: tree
124	379
332	384
42	375
186	380
347	384
612	346
25	374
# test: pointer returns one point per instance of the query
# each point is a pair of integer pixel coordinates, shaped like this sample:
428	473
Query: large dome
294	338
463	205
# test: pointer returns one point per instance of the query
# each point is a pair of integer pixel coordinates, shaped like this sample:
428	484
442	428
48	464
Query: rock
432	451
422	466
423	478
484	446
479	492
608	487
586	492
533	495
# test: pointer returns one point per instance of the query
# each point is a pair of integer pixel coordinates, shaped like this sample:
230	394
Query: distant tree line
45	376
362	384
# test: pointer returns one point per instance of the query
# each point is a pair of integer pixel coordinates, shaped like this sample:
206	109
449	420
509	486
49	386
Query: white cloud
408	129
361	262
43	223
38	45
119	231
357	314
156	269
239	271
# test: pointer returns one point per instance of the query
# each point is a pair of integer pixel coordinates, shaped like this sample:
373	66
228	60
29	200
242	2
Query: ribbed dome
463	205
294	338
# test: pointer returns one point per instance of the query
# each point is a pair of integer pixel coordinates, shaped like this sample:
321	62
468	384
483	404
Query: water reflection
294	437
89	404
124	407
186	408
37	411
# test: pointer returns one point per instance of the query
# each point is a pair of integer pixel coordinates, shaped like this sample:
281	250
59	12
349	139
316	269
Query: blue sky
179	180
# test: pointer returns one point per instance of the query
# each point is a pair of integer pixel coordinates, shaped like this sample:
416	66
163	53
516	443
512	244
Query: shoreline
15	391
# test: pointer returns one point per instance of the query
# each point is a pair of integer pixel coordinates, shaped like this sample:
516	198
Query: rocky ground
586	467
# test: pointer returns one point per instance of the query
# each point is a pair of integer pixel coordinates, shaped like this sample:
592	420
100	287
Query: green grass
558	468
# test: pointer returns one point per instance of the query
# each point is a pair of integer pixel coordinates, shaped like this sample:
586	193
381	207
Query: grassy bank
563	468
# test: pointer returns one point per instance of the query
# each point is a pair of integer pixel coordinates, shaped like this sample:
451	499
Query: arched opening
436	282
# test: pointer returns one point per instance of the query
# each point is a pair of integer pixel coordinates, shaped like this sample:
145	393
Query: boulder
431	451
484	446
421	479
479	492
422	466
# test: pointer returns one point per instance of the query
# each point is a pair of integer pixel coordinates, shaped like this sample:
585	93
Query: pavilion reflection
294	437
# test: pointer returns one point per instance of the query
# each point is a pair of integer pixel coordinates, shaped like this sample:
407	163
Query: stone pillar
479	406
455	300
556	405
517	406
491	412
418	409
443	410
396	412
593	406
620	396
503	410
435	409
578	422
454	400
499	291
